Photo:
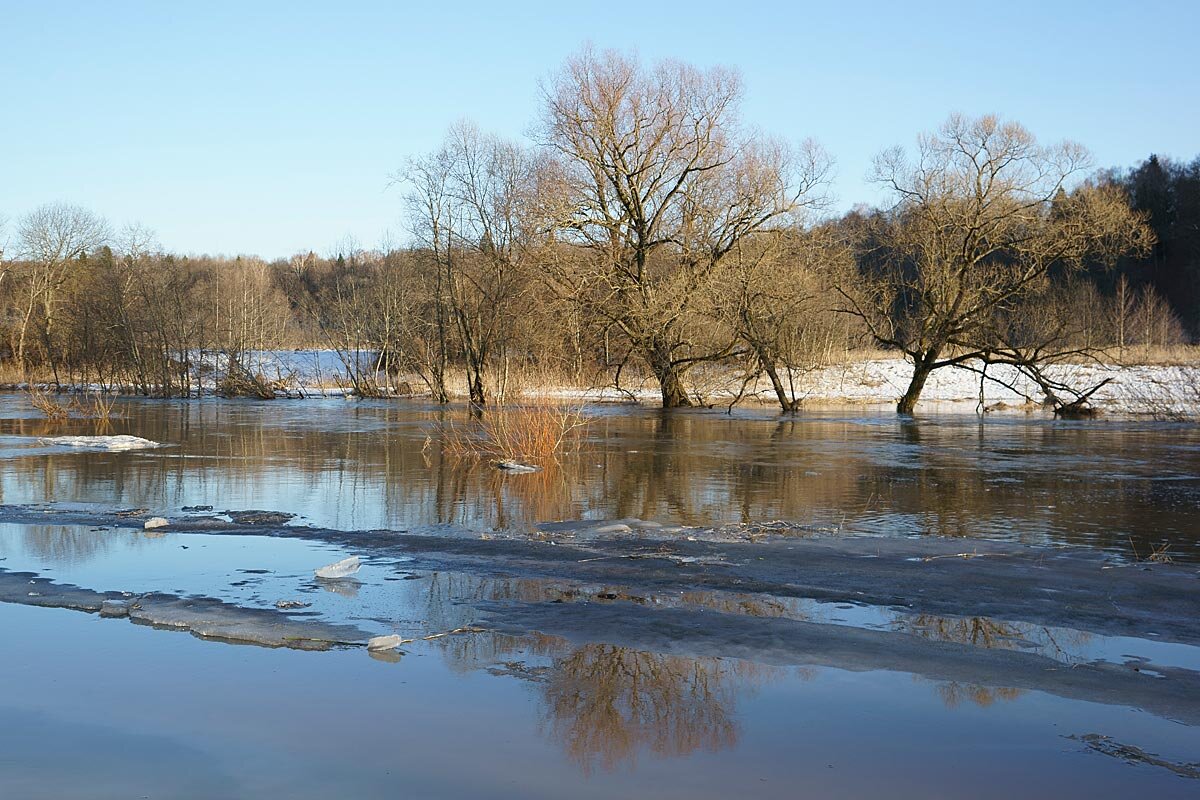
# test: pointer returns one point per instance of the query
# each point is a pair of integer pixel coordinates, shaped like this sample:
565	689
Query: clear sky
271	128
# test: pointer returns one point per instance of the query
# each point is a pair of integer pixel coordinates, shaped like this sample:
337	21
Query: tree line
647	232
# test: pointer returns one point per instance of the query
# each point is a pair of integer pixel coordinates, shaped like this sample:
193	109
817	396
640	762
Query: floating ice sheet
111	443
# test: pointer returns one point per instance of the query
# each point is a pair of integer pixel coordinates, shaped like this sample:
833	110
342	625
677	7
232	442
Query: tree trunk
922	367
673	393
670	378
437	385
475	385
786	403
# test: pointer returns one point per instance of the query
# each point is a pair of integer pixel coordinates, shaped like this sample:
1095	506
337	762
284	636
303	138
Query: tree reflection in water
954	694
381	465
605	703
68	544
977	632
1068	646
991	634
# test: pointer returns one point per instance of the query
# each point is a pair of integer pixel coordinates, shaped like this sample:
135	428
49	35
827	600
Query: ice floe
340	569
517	467
109	443
389	642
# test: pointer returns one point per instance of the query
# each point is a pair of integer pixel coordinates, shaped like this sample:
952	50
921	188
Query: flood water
584	673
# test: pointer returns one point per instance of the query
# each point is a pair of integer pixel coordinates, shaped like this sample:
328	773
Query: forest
644	233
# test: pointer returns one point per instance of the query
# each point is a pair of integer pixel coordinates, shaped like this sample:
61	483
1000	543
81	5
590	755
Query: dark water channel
695	605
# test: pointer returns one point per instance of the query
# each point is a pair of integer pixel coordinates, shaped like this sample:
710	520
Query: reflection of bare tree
62	544
523	500
975	631
365	465
605	703
991	634
954	694
1063	645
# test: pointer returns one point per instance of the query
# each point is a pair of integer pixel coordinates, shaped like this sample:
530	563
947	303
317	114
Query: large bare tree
659	182
51	238
983	215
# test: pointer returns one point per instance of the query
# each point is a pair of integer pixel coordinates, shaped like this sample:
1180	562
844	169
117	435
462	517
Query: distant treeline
646	233
1167	193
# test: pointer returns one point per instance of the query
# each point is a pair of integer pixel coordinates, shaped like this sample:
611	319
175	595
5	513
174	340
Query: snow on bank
1131	389
109	443
1169	391
1157	390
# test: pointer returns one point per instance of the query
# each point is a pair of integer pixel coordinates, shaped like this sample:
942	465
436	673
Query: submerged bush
537	435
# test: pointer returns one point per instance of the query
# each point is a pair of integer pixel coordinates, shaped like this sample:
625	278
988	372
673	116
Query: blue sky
271	128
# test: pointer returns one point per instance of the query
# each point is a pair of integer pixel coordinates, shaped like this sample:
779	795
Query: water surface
543	713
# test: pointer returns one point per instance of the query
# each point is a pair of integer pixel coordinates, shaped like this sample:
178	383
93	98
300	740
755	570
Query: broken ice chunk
389	642
340	569
517	466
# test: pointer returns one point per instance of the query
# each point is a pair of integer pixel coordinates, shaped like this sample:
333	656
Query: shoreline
1156	390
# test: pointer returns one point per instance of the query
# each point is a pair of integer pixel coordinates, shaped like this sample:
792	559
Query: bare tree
1123	306
659	182
4	266
468	206
982	216
51	238
1153	323
778	297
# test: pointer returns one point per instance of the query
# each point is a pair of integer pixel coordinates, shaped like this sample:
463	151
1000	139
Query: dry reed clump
1158	355
94	405
1158	553
535	435
97	406
51	408
238	381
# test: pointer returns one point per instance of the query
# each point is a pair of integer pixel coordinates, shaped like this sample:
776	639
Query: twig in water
965	555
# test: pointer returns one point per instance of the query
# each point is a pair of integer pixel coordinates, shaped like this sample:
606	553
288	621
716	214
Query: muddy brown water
669	661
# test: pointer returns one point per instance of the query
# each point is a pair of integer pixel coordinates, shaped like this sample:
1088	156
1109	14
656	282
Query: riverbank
1157	384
